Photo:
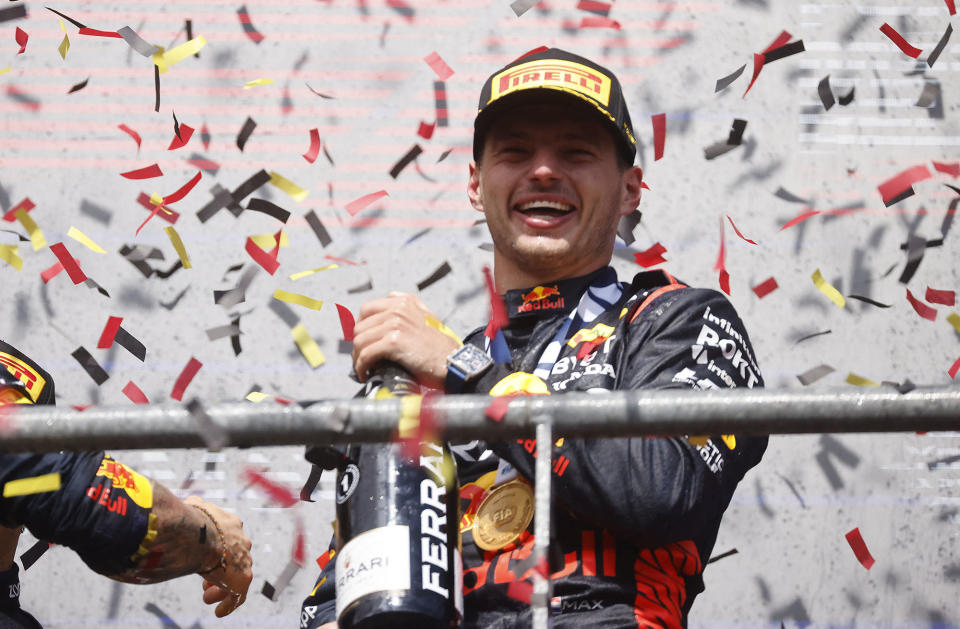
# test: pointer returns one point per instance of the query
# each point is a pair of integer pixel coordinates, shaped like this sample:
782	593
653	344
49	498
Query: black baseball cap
561	74
23	375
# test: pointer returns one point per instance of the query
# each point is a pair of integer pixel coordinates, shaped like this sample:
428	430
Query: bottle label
374	561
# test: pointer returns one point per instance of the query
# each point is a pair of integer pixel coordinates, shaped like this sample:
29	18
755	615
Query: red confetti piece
248	28
598	21
133	134
346	322
109	332
859	547
954	368
439	66
587	347
593	5
529	52
901	43
426	130
781	40
898	184
721	263
643	184
758	61
942	297
651	257
133	392
520	591
69	263
23	99
314	150
185	377
498	310
497	409
275	491
165	213
184	190
427	424
95	33
325	558
922	309
800	219
204	164
26	205
300	546
52	272
153	212
344	260
951	7
738	231
724	280
21	37
949	169
205	137
81	407
659	134
268	260
186	132
765	287
358	205
148	172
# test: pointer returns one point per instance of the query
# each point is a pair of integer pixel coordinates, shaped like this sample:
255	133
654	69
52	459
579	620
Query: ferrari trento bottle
398	540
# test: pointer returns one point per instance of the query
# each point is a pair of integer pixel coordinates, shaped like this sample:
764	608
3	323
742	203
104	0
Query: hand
8	546
227	585
329	625
395	328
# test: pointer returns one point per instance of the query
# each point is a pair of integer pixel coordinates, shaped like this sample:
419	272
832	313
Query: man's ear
473	188
632	189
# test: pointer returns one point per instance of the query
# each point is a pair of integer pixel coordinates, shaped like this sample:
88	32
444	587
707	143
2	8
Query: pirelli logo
23	372
567	75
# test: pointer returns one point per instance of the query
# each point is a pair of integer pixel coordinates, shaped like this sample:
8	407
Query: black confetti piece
814	335
20	236
404	161
626	226
416	236
214	436
67	18
321	95
205	137
92	284
368	285
94	211
403	9
17	11
440	102
826	94
248	126
231	269
273	591
173	269
444	155
783	51
940	46
846	100
383	33
173	304
79	86
222	331
24	99
252	33
270	209
269	591
944	462
312	481
906	194
833	449
156	88
204	164
793	489
812	375
251	185
931	90
221	199
736	132
32	554
131	344
730	78
867	300
915	248
176	125
235	339
318	229
326	154
729	553
90	365
436	276
786	195
285	312
161	615
189	27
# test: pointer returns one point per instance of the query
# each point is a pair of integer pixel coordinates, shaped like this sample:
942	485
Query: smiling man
635	518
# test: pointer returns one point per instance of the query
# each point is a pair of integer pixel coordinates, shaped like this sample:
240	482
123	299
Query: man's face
552	193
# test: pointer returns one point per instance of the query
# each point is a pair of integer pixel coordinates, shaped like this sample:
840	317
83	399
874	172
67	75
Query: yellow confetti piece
301	274
178	245
84	240
257	82
409	416
181	52
8	253
34	485
159	60
62	26
307	346
36	235
295	191
5	70
156	199
257	396
828	290
65	44
860	381
294	298
954	320
268	241
439	325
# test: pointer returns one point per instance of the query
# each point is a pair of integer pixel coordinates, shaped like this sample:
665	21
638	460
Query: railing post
540	601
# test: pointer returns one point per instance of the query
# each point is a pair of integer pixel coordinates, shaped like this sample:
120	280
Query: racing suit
635	519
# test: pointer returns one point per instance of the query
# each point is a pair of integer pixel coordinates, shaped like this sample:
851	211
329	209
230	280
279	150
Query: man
122	524
635	519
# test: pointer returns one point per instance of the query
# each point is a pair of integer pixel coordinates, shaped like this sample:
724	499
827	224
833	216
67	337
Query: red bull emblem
125	478
538	299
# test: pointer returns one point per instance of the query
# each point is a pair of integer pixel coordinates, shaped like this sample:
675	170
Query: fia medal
503	515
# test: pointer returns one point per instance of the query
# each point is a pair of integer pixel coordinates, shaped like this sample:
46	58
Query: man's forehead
559	119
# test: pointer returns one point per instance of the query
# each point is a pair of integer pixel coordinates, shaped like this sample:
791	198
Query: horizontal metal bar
461	417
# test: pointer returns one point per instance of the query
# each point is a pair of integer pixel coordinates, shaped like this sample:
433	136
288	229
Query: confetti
738	231
14	12
327	96
915	246
277	493
922	309
51	272
497	409
736	132
765	287
178	245
26	205
498	310
659	122
346	322
164	212
931	90
859	548
156	88
954	368
181	52
184	379
786	195
650	257
799	219
147	172
724	82
182	135
948	169
133	134
814	335
21	38
935	54
522	6
85	240
294	298
826	94
34	485
867	300
520	591
846	100
599	21
901	43
757	66
127	341
812	375
358	205
268	208
109	332
440	103
954	319
137	43
267	260
29	102
296	192
248	126
314	150
951	7
442	271
425	130
134	393
8	253
721	265
827	289
627	224
69	263
303	274
307	346
97	33
36	235
254	35
35	552
942	297
860	381
257	83
64	46
318	229
439	66
90	365
785	50
214	436
404	161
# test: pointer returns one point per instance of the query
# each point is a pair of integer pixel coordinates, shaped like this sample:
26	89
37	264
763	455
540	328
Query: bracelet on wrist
222	563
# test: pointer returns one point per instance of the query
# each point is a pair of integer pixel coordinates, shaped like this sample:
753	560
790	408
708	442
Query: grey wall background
790	515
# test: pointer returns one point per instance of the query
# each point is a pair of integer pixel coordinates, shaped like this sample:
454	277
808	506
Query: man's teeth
545	205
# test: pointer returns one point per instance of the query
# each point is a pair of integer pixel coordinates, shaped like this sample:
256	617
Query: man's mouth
544	209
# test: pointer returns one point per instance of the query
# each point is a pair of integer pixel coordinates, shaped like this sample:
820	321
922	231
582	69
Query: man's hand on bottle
227	585
398	328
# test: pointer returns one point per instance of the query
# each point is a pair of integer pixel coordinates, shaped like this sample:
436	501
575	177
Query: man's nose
544	168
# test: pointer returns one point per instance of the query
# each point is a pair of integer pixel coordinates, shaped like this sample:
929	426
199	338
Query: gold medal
503	515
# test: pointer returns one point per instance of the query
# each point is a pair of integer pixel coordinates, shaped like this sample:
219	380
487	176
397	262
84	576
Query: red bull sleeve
101	508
